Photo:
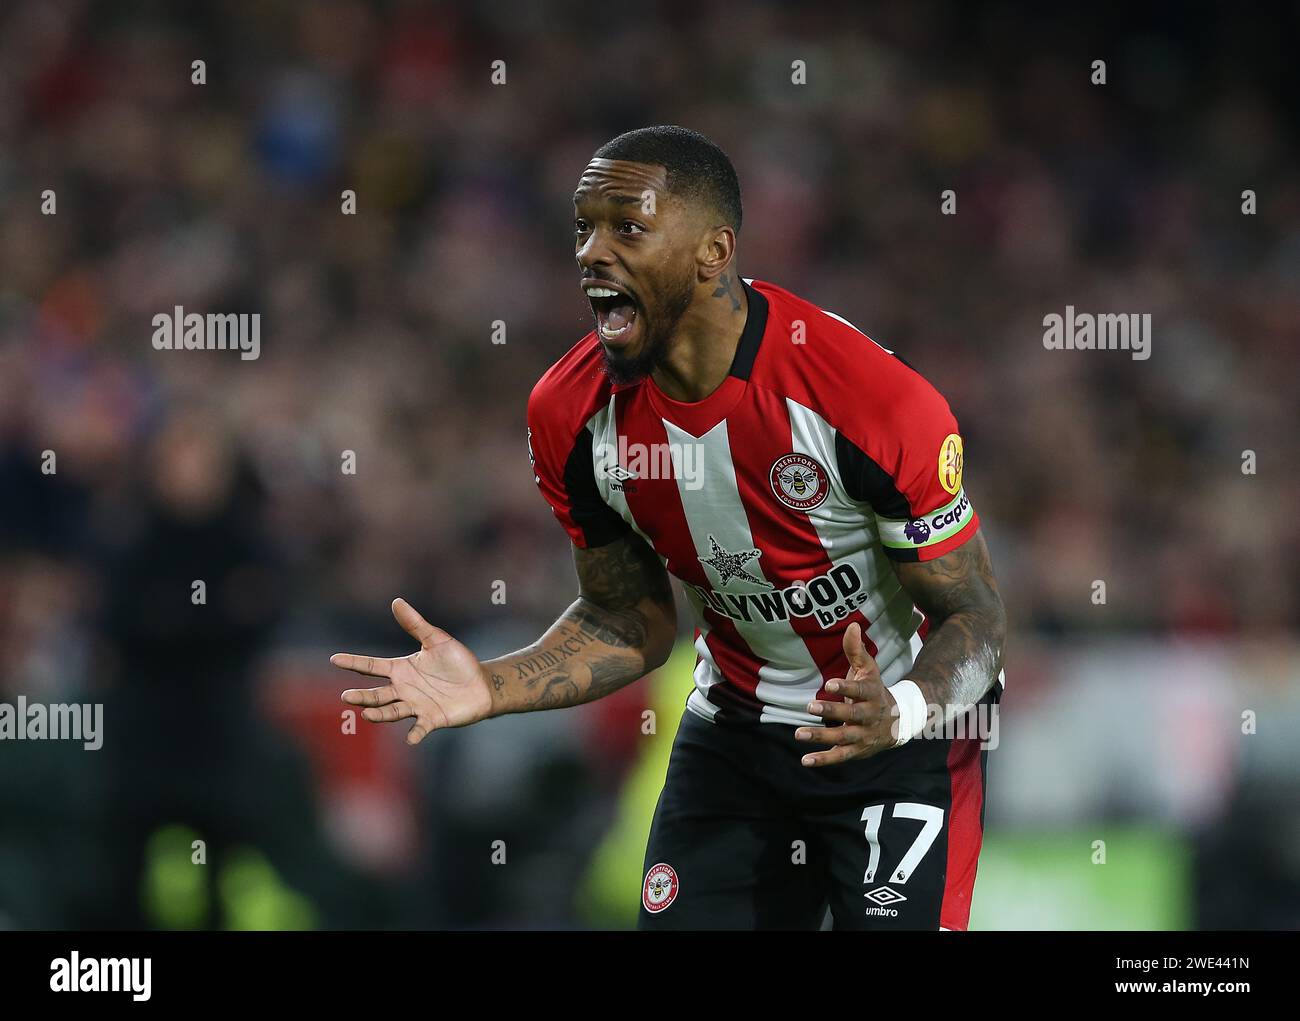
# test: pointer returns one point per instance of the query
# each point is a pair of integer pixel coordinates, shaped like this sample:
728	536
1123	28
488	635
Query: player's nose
593	252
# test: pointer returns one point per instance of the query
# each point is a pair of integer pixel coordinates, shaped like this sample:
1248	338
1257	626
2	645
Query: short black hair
697	168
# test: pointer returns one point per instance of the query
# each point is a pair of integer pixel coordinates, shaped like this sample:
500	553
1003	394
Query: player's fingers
856	650
416	734
831	756
859	691
415	625
390	713
853	647
843	712
370	696
829	735
363	664
843	752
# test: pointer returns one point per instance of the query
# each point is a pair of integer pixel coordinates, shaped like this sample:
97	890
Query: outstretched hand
442	685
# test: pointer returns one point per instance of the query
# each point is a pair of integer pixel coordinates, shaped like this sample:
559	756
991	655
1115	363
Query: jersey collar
698	417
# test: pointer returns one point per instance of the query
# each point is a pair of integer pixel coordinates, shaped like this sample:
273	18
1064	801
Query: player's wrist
913	710
494	679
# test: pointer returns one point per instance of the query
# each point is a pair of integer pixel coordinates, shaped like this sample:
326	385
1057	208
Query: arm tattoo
622	574
963	653
618	629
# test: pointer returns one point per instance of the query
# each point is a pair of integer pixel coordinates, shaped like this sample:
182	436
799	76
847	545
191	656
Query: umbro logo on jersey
680	462
883	898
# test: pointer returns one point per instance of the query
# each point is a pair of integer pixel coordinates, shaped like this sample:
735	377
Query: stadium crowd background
221	721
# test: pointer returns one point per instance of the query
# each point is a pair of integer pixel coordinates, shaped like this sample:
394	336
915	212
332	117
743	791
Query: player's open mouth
615	310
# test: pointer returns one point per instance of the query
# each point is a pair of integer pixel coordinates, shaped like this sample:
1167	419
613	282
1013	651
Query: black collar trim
751	336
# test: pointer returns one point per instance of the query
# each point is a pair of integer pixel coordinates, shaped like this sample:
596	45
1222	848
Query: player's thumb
854	648
415	625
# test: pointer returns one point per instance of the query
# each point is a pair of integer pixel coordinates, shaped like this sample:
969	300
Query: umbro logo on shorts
884	897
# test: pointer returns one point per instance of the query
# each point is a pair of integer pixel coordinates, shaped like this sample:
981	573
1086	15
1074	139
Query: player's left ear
715	252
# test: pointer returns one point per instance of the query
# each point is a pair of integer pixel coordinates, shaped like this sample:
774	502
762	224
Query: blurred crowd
378	347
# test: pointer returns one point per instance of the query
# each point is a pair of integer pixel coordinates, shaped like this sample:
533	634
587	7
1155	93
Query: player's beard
622	368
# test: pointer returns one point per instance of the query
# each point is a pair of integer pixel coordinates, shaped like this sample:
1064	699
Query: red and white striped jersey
777	501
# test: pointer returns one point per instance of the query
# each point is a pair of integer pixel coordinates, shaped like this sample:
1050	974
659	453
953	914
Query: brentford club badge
799	482
660	888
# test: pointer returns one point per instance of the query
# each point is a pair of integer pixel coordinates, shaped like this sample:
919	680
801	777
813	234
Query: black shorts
745	837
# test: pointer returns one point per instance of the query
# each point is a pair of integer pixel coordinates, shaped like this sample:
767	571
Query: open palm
442	685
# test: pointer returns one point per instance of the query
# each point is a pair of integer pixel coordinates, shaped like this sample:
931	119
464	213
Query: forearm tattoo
603	641
963	652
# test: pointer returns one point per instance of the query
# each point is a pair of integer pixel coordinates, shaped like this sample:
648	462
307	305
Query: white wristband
912	710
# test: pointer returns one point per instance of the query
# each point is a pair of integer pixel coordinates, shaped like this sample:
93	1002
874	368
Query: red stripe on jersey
737	664
760	433
656	506
965	831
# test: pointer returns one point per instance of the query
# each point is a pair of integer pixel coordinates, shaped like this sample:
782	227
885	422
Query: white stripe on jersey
789	678
603	426
849	534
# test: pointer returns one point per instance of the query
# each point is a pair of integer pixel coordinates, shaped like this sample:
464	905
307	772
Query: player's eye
580	227
630	227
